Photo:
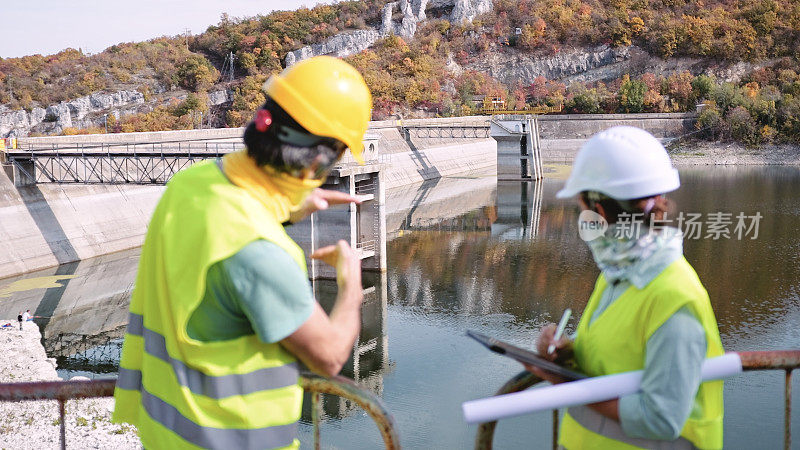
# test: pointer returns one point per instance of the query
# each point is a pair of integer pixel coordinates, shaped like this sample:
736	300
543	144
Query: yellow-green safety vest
616	342
180	392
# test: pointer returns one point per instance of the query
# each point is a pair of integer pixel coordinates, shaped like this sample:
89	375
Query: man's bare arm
324	343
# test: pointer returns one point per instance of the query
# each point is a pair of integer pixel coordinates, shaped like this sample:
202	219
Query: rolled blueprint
581	392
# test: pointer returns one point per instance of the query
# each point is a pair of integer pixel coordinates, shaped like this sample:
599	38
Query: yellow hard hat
328	97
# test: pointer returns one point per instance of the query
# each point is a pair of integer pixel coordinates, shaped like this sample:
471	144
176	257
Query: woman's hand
563	346
562	352
545	375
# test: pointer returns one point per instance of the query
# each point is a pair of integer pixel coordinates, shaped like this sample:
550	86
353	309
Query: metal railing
786	360
103	168
489	109
449	130
316	385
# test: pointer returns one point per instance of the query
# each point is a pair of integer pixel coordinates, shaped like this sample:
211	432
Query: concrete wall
419	165
49	224
583	126
562	135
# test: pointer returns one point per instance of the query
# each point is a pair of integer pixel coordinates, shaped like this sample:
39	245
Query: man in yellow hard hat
222	307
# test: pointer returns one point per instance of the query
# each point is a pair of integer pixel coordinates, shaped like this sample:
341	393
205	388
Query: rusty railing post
555	429
315	417
369	402
787	424
62	425
521	381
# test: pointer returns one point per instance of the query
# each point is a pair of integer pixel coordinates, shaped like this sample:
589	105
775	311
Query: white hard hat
623	163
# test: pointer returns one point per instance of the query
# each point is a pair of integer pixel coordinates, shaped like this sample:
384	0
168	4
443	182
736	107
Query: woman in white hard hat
648	310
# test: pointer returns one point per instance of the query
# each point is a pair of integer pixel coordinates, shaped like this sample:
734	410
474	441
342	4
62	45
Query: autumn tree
196	73
532	36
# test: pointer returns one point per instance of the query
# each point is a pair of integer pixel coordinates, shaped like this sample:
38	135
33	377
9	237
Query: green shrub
196	73
743	127
702	86
709	121
631	95
727	96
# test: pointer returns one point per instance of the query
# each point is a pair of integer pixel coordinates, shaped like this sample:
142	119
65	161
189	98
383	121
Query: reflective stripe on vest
210	386
598	423
208	437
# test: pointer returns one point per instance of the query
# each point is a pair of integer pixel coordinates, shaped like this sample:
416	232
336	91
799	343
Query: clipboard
525	356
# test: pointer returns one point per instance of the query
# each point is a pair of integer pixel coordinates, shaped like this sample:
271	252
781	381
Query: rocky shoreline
35	424
702	153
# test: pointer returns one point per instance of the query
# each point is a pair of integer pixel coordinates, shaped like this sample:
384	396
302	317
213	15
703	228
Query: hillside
435	57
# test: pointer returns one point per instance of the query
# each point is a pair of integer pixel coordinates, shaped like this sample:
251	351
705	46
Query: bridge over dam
68	198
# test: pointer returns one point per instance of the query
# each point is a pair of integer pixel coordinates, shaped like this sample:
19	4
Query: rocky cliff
413	12
67	114
600	63
466	10
82	112
510	67
341	45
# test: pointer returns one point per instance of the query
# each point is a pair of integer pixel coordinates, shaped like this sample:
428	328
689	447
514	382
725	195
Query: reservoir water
503	260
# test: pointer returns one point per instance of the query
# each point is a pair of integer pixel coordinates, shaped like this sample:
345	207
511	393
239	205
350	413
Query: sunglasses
298	138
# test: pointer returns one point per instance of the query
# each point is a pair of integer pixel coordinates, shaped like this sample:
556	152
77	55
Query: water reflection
516	266
754	284
508	283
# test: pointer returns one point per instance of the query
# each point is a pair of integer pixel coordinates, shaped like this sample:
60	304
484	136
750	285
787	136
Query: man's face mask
323	163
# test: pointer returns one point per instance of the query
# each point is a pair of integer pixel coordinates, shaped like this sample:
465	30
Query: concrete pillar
508	158
4	165
363	226
518	147
23	172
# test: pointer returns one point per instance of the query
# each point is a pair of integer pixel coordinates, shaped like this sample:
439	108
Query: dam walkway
125	159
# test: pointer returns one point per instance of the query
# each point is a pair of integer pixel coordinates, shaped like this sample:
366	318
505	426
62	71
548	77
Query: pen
559	330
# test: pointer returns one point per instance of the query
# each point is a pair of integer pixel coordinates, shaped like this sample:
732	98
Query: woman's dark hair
614	208
267	148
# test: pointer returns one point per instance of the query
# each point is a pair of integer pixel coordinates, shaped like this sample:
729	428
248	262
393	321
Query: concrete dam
47	222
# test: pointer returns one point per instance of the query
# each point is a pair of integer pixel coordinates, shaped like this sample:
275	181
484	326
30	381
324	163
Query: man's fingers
320	204
324	251
334	255
327	254
343	246
337	197
563	342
